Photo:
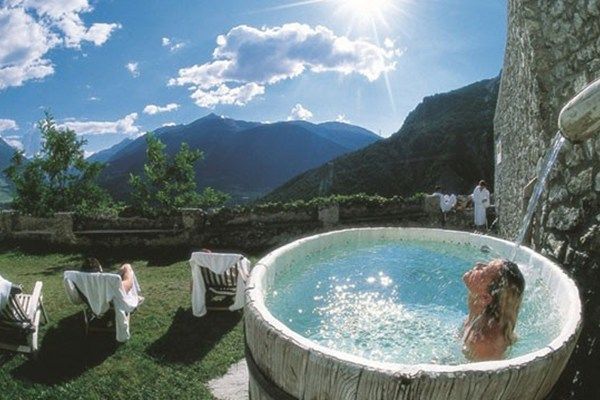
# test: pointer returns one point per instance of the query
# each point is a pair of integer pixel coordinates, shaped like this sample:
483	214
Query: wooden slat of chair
24	300
15	309
224	284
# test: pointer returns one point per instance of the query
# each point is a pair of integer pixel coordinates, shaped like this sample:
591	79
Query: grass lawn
171	354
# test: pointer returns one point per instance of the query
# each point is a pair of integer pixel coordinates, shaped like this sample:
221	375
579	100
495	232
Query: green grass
171	354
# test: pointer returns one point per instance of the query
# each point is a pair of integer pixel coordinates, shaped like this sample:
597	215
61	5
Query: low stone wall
246	230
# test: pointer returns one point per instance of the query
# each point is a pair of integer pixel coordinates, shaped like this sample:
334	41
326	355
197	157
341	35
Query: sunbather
125	271
495	294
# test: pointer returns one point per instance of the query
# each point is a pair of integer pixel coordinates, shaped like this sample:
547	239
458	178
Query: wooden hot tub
285	365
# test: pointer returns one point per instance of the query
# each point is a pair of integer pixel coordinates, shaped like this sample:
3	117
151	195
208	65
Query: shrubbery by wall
244	229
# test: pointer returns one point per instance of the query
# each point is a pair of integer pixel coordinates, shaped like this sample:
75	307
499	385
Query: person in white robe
481	201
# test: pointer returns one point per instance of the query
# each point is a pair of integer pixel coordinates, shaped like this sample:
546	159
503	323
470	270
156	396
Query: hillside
447	140
104	155
6	153
245	159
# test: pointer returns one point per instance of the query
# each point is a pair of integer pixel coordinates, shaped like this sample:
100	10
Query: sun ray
293	5
385	73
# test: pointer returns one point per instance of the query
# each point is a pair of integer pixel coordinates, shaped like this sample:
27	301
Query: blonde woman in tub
494	299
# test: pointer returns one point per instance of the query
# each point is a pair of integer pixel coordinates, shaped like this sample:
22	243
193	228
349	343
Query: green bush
59	178
169	184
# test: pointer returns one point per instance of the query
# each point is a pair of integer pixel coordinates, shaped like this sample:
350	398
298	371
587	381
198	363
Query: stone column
193	220
431	206
329	215
7	222
63	228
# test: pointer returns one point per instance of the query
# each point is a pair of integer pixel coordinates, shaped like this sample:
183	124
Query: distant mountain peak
211	116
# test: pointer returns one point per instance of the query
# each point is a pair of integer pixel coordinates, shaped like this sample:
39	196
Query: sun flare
367	8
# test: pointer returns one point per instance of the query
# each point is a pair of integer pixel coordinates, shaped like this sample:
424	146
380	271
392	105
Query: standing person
481	201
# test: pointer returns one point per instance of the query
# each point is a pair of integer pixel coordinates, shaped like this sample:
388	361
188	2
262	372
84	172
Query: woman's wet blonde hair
507	292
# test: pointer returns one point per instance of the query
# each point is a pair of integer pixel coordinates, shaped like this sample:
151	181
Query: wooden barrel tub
285	365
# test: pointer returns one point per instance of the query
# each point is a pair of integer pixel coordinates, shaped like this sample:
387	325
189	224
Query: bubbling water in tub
401	302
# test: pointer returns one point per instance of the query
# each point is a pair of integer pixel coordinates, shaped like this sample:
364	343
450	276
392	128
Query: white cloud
172	44
29	29
133	69
152	109
342	118
125	125
13	141
166	124
8	124
64	16
94	98
260	57
223	94
299	113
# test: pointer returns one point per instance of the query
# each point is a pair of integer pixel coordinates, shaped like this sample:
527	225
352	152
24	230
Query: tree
169	184
59	178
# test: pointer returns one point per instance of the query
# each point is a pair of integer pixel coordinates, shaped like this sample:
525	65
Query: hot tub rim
570	328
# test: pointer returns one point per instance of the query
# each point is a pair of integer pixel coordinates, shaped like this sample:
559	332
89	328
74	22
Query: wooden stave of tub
285	365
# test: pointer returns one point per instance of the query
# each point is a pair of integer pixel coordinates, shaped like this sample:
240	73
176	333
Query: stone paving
233	385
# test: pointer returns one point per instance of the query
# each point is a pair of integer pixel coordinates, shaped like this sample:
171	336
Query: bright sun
366	8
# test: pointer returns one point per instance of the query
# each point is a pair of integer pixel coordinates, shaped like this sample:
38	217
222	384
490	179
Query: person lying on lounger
125	271
495	294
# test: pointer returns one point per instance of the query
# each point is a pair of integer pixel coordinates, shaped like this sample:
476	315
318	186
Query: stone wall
245	230
553	51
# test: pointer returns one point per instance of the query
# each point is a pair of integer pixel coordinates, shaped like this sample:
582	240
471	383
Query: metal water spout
580	117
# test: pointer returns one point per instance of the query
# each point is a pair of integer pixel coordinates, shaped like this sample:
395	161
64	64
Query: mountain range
244	159
6	153
446	140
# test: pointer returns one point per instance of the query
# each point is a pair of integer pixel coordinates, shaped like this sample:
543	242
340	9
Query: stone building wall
553	51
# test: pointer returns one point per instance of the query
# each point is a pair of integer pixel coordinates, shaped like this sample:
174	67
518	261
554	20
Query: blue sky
112	69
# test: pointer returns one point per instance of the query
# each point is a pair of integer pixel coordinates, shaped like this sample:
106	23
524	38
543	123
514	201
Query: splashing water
548	163
397	302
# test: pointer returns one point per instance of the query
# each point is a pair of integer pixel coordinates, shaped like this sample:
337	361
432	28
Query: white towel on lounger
5	288
217	263
447	202
100	289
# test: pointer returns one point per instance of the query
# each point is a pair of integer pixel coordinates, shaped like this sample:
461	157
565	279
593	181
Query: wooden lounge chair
113	307
218	281
20	320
